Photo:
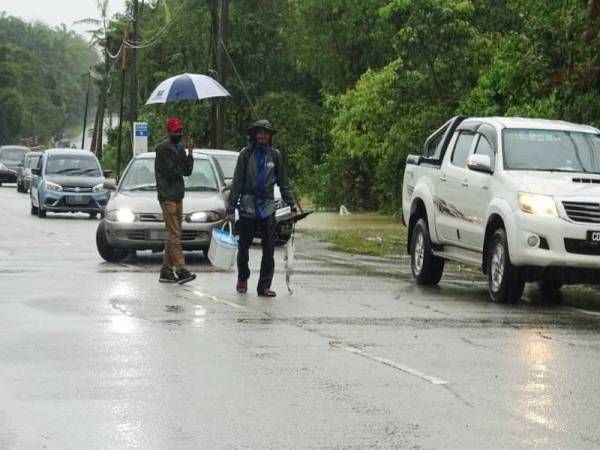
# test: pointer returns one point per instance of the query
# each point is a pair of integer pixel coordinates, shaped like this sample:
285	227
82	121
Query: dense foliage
356	85
42	79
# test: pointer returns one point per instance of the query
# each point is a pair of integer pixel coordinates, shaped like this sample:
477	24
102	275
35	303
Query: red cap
174	125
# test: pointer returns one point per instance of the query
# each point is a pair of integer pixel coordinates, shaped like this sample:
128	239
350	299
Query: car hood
147	202
75	181
558	184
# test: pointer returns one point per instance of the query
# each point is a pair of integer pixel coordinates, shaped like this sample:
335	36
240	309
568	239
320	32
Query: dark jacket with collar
170	166
244	189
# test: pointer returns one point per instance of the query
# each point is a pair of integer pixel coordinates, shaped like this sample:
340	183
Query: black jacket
244	189
170	166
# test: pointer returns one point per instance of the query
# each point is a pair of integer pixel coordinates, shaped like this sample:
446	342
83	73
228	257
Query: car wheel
426	268
282	239
34	210
505	281
108	252
93	215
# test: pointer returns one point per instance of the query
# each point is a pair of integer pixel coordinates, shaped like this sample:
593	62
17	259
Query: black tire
93	215
41	212
426	268
34	210
505	281
281	240
107	251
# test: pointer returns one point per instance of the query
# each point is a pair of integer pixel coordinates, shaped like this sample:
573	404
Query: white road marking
212	298
403	368
583	311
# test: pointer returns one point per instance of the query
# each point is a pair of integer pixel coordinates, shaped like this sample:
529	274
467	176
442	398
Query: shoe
184	276
167	277
267	293
242	286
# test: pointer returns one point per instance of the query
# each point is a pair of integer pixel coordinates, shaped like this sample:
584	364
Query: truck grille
583	212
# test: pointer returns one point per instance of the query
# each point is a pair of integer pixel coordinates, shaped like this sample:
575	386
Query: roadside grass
361	234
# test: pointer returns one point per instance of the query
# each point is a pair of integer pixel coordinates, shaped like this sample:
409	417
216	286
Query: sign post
140	138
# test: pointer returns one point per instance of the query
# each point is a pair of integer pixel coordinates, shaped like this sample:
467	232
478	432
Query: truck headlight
123	215
540	205
50	186
203	217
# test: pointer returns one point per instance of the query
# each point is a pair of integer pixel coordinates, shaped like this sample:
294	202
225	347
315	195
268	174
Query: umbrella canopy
188	86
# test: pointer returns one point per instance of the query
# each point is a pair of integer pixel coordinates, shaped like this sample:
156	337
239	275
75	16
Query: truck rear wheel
426	268
505	281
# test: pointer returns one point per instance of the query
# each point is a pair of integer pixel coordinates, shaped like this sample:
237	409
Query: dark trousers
248	228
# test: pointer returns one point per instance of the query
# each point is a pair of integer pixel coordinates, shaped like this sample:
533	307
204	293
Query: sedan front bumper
152	235
73	202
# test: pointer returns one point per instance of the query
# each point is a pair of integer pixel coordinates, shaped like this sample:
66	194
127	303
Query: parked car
30	160
519	198
68	181
227	160
134	219
10	157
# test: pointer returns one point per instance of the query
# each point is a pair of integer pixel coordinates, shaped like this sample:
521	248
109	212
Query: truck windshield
551	151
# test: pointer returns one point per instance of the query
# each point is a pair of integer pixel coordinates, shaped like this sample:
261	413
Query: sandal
242	286
267	293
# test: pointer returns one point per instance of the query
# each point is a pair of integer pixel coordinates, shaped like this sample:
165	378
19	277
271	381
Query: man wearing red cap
171	165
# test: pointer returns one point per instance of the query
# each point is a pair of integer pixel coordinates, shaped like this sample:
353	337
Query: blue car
68	181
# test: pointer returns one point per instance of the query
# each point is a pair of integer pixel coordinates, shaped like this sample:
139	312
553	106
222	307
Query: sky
57	12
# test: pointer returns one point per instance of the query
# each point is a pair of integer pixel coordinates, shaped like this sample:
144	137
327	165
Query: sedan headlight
123	215
50	186
540	205
99	188
203	217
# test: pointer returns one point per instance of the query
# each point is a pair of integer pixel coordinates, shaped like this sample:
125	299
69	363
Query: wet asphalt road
98	355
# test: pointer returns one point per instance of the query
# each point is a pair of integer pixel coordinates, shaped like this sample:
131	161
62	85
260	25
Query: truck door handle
465	183
443	178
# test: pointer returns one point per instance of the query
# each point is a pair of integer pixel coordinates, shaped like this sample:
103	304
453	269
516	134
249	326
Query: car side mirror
228	184
110	184
107	173
36	171
480	163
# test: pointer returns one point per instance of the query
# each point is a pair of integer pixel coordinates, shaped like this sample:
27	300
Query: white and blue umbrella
188	86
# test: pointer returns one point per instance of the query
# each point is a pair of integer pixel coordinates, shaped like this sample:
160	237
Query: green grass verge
364	241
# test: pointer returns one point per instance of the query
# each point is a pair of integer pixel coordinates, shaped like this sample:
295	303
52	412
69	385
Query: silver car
227	160
134	218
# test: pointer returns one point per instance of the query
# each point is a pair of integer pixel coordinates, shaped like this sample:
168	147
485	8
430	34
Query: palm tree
102	38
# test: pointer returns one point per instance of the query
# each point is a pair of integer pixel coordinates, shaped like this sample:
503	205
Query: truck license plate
157	235
593	237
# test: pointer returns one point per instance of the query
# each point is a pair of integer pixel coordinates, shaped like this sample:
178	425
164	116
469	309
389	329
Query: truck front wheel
505	281
426	268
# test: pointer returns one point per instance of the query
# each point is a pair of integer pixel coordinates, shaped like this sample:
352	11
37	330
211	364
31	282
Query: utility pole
87	104
133	81
219	10
120	136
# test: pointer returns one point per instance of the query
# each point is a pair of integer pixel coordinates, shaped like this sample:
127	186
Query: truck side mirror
110	184
480	163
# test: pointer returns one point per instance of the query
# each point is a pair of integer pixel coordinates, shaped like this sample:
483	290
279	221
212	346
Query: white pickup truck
519	198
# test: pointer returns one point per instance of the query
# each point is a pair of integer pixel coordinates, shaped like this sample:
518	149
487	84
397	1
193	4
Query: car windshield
31	161
551	151
76	165
13	154
227	163
140	177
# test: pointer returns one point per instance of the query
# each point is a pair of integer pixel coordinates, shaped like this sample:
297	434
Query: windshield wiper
201	189
143	187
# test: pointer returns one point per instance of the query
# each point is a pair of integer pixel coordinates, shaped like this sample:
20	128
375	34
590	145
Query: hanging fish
289	260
